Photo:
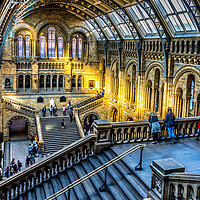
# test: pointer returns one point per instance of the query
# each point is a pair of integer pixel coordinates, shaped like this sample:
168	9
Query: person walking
71	115
169	123
64	110
63	124
51	110
197	138
19	166
27	161
155	126
40	151
44	111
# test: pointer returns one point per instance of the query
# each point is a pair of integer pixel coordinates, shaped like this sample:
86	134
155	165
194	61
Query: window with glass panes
51	42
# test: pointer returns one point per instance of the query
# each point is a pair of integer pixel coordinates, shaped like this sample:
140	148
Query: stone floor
186	152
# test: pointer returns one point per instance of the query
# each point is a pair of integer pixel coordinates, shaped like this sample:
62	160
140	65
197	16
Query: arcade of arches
49	52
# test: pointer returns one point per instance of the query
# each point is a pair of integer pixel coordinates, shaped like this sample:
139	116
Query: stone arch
129	63
187	69
113	113
129	118
57	22
82	30
20	27
88	114
154	65
113	61
8	124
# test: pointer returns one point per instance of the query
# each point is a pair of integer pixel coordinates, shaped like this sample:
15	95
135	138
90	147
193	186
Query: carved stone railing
19	107
90	106
51	166
109	133
78	123
169	181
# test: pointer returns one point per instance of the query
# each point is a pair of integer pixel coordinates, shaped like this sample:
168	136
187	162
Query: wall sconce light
35	79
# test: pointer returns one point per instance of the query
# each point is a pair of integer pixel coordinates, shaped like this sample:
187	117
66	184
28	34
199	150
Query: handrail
8	100
39	132
78	123
111	162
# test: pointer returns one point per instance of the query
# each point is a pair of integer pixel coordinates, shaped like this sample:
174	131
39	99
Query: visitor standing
63	124
155	126
197	138
19	166
27	161
169	123
64	110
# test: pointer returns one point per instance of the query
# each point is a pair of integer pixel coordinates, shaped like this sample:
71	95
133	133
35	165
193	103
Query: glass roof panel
145	24
97	36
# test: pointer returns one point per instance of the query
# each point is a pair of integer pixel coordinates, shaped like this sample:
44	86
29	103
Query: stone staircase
85	102
56	138
122	182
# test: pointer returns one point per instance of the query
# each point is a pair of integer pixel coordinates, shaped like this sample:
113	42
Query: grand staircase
122	182
56	138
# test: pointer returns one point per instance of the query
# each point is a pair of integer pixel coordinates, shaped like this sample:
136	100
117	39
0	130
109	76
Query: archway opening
114	115
88	122
18	129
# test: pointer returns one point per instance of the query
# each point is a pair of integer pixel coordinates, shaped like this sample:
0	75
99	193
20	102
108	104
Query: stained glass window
42	46
80	47
51	42
74	48
27	45
192	95
20	46
60	47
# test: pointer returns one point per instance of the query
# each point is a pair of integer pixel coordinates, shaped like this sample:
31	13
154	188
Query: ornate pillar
57	82
51	80
121	93
45	83
24	82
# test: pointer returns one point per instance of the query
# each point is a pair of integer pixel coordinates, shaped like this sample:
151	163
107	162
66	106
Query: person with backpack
155	126
63	124
170	124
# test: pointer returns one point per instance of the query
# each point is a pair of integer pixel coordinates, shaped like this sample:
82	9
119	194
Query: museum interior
110	63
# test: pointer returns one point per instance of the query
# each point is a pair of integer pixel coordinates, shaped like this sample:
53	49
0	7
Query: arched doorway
18	129
88	121
114	115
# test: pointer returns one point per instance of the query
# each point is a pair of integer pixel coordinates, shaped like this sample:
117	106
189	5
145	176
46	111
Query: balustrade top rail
12	101
104	166
49	160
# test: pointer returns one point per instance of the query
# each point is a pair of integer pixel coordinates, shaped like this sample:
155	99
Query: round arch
113	114
128	118
79	29
154	65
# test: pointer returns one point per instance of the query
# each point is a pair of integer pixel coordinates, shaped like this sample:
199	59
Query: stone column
121	93
51	80
57	82
45	83
24	82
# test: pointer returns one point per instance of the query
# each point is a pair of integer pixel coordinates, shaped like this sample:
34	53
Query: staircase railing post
68	195
139	166
104	187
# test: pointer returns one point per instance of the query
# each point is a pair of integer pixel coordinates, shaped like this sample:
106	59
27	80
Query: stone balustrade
19	107
169	181
39	132
57	162
109	133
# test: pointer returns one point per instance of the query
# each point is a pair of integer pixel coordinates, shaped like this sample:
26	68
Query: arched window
190	90
74	48
51	42
60	47
27	46
42	46
20	46
80	47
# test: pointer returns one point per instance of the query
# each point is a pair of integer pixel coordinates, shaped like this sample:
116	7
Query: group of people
34	150
88	128
99	94
156	128
13	168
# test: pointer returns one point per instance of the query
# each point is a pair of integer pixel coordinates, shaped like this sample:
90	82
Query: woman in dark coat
155	126
169	122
